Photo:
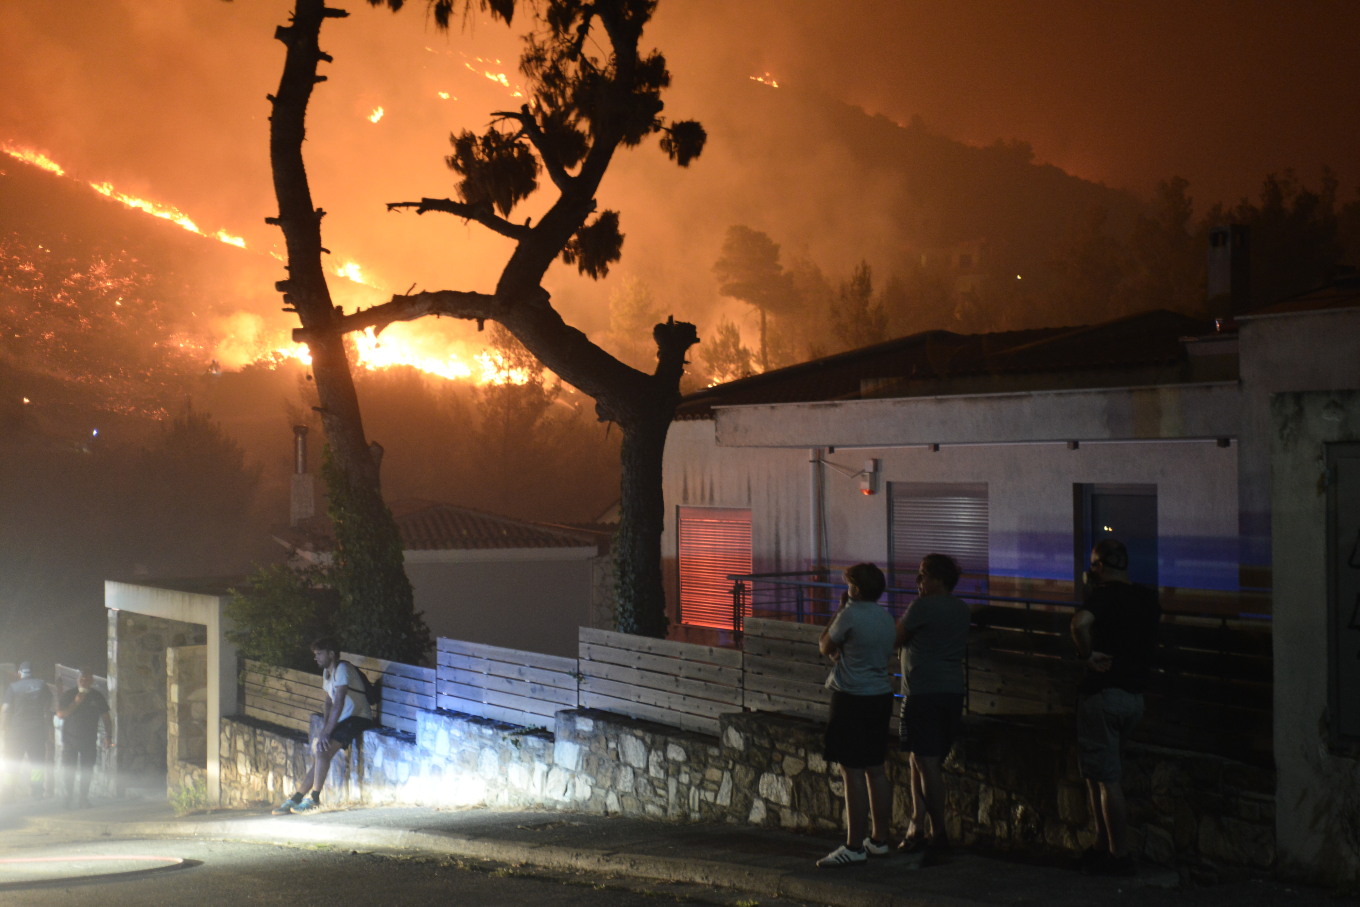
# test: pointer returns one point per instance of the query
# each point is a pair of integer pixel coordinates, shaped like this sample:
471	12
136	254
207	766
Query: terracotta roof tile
432	526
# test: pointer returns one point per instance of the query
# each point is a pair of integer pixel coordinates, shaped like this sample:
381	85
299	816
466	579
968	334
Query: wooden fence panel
1211	690
405	690
783	671
517	687
679	684
281	696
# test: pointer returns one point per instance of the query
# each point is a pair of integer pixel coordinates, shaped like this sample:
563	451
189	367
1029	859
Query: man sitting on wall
347	715
1115	633
859	640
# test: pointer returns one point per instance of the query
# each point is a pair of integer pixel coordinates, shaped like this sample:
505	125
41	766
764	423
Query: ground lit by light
26	871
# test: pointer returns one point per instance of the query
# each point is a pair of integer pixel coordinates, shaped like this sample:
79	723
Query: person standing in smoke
27	716
81	711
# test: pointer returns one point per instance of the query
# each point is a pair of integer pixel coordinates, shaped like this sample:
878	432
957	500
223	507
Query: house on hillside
1015	451
1017	447
490	579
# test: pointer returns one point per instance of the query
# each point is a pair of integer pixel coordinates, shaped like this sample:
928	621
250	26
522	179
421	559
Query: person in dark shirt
27	720
81	711
1115	633
933	637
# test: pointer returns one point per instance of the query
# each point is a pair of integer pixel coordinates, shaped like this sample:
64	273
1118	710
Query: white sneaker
843	856
878	850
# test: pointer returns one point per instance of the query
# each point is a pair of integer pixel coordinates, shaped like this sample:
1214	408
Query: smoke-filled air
872	169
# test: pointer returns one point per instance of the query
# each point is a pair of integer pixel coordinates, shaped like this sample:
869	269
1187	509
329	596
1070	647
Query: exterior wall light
868	478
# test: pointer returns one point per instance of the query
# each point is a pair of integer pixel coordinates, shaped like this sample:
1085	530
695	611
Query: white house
1015	451
491	579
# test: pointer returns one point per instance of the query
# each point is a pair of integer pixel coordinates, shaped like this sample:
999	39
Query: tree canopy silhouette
749	270
592	91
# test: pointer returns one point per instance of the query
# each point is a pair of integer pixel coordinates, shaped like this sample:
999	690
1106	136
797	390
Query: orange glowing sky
165	99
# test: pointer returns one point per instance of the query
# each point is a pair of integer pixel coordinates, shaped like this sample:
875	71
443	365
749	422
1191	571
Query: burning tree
585	105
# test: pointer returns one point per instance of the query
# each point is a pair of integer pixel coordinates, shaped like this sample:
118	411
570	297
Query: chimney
302	502
1228	282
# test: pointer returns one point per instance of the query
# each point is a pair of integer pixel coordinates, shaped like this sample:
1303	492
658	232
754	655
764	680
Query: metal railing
813	597
1212	679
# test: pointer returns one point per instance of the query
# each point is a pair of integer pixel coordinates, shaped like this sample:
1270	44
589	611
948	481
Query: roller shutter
714	543
947	518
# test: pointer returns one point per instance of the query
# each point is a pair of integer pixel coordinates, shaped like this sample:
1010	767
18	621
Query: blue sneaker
283	809
306	805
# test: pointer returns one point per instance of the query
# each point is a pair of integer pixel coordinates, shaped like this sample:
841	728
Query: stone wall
1012	786
186	744
137	691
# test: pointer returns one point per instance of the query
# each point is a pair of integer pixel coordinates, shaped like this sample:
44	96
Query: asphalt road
50	870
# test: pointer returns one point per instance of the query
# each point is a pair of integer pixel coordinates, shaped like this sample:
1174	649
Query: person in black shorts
933	638
347	716
859	641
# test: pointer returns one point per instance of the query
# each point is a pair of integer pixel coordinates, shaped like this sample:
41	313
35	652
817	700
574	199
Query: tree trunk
378	604
641	596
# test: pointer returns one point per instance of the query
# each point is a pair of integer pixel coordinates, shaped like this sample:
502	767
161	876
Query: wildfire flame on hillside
765	79
164	212
499	78
34	158
245	339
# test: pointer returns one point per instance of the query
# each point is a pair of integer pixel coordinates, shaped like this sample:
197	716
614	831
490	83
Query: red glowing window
714	543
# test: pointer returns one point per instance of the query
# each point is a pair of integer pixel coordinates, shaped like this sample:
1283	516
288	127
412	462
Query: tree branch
529	126
453	303
482	214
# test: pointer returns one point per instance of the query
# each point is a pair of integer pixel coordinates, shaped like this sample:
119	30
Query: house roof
434	526
197	585
1344	293
1143	348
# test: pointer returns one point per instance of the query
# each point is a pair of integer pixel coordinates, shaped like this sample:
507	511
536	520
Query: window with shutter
948	518
714	542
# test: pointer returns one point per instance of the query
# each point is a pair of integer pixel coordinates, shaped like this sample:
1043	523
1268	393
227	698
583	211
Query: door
1125	512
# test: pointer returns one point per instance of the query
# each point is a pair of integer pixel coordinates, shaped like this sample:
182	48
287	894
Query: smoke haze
166	99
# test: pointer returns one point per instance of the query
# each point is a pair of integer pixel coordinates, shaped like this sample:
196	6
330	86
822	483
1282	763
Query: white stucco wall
747	457
1197	411
1305	351
1318	794
534	600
